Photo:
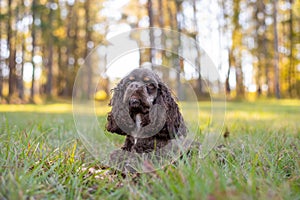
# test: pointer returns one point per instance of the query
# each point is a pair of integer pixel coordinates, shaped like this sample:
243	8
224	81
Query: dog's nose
133	102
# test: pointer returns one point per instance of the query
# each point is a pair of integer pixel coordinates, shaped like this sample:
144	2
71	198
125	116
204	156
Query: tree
151	24
236	49
12	50
178	60
260	49
50	48
276	54
195	36
21	48
291	70
225	32
33	37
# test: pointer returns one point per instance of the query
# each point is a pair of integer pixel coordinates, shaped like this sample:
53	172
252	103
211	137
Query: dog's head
136	94
140	90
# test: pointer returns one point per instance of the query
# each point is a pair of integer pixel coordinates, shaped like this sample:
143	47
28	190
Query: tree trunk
260	51
12	71
276	54
21	85
239	80
88	38
20	78
33	35
265	62
12	53
236	47
227	85
291	59
70	50
197	61
50	47
150	14
164	70
225	28
178	62
266	65
50	71
60	77
75	53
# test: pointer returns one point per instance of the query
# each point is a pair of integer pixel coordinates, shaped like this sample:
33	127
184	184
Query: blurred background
255	44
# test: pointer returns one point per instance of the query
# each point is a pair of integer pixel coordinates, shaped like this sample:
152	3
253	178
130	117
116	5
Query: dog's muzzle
134	102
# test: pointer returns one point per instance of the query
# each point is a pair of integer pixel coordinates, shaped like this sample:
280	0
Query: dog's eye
151	87
131	78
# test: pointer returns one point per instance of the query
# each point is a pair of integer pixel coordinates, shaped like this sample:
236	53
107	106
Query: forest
256	43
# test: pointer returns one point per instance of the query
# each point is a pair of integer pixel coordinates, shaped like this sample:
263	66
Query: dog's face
140	90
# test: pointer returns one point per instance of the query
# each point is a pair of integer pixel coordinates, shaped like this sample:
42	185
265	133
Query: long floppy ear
112	126
118	93
174	122
119	114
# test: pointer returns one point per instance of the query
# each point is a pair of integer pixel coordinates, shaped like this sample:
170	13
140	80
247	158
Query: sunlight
123	65
27	72
49	108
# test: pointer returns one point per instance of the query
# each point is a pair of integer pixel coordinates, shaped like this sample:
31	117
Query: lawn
41	157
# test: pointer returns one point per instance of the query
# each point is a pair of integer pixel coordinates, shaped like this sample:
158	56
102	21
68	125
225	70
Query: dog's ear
119	113
175	123
112	126
118	93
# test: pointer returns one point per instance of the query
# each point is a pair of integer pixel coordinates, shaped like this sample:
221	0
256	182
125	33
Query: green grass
41	157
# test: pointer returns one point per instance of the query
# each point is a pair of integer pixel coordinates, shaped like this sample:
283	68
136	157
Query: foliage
55	37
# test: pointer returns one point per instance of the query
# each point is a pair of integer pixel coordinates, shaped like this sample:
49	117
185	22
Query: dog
144	110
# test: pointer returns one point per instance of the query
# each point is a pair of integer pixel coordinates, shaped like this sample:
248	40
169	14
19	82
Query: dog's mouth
138	103
137	106
134	102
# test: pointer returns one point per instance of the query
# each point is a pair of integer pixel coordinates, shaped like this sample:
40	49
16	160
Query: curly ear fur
174	123
111	125
119	112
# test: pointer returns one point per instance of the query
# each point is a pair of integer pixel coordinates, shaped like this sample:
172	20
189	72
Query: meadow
41	157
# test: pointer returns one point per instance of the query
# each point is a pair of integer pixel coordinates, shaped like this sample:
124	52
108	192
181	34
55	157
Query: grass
41	157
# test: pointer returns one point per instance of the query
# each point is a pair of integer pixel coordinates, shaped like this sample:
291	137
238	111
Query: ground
42	157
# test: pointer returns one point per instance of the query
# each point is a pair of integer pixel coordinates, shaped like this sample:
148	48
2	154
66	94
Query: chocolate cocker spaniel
144	110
